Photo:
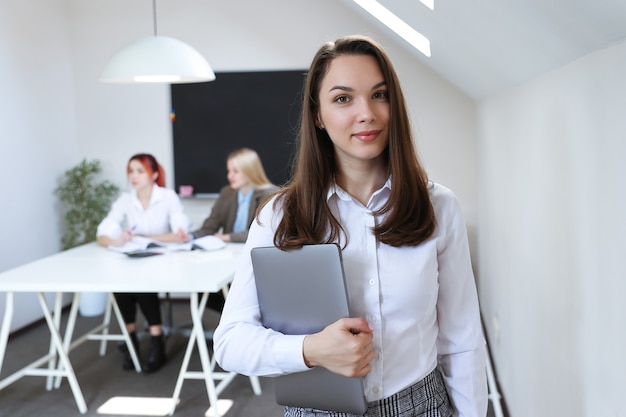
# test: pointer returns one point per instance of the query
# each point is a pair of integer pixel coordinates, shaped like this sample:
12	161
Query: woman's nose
365	113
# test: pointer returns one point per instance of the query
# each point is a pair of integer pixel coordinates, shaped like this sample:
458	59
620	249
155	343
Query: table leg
93	334
207	369
256	385
197	338
129	343
6	325
106	323
63	357
69	332
183	370
52	363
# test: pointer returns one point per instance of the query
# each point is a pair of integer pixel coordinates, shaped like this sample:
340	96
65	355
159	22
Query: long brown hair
307	218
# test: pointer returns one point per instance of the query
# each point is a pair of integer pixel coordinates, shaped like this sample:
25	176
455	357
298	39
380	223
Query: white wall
115	121
552	236
59	113
38	140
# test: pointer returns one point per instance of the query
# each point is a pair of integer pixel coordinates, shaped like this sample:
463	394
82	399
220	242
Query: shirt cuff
288	353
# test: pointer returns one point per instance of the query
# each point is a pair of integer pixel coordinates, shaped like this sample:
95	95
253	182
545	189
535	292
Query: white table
90	268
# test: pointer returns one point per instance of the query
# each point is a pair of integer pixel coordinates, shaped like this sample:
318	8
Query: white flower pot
92	303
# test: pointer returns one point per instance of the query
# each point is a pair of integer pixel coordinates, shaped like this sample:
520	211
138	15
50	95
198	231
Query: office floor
102	378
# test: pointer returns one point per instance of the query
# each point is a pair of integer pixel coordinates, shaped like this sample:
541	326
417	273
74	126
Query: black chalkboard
258	110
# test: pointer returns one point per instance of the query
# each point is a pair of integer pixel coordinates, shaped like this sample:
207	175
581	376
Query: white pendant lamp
157	59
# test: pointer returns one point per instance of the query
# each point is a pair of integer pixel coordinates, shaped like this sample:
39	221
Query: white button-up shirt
163	215
421	302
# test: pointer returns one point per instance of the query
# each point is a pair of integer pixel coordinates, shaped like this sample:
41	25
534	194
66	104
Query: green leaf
85	202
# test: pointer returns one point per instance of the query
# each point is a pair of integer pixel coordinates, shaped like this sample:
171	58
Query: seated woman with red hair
153	211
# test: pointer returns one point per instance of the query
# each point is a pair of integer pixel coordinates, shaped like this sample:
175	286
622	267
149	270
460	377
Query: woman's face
354	108
236	178
139	177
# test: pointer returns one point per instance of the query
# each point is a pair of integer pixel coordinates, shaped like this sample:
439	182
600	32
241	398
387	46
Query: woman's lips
367	135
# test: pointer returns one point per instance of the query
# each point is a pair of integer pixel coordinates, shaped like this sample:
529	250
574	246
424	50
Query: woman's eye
381	95
342	99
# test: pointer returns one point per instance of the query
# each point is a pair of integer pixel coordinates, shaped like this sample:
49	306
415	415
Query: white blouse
163	215
421	302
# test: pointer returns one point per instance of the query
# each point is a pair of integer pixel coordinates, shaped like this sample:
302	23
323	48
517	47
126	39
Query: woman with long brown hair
416	337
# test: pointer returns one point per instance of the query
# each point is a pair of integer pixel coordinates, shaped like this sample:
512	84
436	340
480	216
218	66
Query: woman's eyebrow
341	87
380	84
345	88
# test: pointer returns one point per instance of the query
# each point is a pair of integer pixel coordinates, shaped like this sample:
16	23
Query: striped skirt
426	398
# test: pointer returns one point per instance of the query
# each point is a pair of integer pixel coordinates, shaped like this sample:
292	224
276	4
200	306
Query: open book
140	243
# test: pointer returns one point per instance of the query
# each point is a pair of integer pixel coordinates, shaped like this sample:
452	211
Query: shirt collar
335	189
156	195
241	198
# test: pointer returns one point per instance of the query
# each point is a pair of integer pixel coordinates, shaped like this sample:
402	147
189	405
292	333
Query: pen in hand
126	237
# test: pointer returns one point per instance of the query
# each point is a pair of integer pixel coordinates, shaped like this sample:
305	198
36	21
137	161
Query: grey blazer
225	210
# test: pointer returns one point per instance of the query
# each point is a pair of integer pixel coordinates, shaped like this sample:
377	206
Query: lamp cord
154	18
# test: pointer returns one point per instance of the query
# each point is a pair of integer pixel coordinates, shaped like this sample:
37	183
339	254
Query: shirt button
372	282
375	390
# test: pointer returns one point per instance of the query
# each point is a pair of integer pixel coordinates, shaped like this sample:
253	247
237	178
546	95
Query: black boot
128	361
156	356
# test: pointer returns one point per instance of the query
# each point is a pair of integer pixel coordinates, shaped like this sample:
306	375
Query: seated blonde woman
234	209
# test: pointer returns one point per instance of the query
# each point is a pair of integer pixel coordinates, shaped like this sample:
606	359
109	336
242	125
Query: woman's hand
125	237
344	347
182	236
225	238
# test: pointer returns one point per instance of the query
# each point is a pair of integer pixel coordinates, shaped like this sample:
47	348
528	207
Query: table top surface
92	268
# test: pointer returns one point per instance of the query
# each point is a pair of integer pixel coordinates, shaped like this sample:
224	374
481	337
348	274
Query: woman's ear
318	122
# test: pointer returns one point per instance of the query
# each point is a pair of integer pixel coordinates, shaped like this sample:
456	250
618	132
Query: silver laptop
301	292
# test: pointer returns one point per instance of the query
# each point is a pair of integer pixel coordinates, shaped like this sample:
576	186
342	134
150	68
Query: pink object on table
185	190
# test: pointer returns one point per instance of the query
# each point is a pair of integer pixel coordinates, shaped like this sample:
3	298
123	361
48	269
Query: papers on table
203	243
208	243
140	243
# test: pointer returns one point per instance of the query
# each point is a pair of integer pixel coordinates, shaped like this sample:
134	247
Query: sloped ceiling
485	46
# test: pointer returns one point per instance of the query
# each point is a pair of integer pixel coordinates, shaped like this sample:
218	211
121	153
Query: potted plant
85	203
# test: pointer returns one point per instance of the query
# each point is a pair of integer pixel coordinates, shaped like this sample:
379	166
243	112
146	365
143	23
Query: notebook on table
301	292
